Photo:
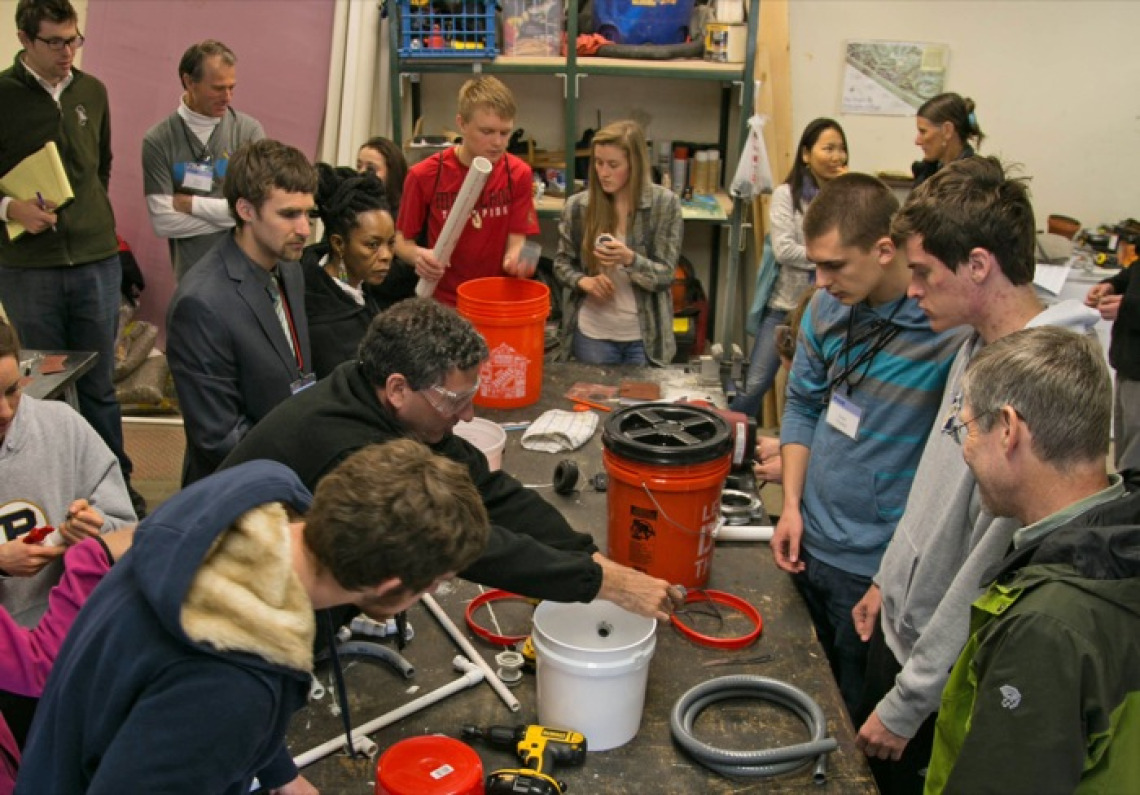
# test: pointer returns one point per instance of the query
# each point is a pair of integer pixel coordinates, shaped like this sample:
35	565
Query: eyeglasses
449	403
57	44
955	428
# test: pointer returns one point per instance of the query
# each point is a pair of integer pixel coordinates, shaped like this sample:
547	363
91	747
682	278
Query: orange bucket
667	465
510	313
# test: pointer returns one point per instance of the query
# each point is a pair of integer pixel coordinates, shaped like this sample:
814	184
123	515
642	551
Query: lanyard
875	336
192	140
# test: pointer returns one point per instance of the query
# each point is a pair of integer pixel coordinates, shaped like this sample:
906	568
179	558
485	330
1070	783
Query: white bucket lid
597	631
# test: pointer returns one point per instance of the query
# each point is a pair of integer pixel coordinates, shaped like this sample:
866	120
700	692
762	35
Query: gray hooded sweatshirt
931	571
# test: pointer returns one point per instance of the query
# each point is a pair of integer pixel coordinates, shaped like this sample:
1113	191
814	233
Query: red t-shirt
505	206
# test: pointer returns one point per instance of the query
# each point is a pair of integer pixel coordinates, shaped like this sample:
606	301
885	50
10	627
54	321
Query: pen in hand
43	205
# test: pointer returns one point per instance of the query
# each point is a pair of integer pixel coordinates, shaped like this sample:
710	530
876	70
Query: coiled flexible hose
753	764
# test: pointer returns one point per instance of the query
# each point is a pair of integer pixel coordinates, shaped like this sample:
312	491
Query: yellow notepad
39	173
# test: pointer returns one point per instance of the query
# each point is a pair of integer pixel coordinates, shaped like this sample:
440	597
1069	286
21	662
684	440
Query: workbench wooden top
651	762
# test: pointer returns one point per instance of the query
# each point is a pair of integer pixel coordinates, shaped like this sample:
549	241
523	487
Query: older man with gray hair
1044	696
185	155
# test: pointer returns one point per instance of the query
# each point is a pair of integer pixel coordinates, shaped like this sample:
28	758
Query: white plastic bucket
593	666
487	436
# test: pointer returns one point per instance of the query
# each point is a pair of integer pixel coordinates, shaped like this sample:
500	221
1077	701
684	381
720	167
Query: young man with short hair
970	240
504	215
185	666
237	334
867	372
1044	697
59	282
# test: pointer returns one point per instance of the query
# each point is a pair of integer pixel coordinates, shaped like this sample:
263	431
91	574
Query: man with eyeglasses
970	241
1044	696
867	371
185	155
415	376
60	280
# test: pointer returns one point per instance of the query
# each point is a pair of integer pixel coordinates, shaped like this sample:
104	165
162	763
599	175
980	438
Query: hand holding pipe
457	219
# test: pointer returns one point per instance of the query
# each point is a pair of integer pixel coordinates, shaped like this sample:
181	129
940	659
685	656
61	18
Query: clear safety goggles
449	403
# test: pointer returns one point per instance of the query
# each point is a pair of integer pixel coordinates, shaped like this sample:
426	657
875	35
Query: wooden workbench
651	762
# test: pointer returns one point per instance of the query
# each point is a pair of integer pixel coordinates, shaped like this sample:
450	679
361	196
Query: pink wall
134	46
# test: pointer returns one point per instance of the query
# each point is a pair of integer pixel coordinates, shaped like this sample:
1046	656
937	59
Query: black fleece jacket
1124	349
533	551
336	322
80	125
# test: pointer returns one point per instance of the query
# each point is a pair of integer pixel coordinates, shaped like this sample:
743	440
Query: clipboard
39	173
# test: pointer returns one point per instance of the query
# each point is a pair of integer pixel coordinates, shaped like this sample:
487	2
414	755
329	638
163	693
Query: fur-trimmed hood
218	570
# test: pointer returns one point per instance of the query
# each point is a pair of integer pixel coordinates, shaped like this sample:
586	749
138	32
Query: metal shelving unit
730	78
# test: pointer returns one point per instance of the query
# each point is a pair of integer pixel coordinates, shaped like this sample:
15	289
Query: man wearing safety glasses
415	376
60	278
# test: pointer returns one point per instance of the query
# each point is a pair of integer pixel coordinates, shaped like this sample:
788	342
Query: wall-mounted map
892	78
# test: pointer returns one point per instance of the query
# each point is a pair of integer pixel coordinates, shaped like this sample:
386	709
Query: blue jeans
763	365
591	351
74	309
830	593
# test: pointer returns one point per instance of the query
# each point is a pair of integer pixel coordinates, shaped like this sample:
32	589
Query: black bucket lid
667	433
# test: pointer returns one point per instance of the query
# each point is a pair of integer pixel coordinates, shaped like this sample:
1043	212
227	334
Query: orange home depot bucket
667	465
510	314
429	765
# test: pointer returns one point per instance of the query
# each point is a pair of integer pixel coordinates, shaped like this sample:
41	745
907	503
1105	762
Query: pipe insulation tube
457	219
760	763
744	532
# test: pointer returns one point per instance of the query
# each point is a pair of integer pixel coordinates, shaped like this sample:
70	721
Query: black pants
908	775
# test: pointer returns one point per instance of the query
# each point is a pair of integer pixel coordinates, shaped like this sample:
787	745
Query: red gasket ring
729	600
485	598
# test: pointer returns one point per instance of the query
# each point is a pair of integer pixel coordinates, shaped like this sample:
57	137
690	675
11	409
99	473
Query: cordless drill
539	748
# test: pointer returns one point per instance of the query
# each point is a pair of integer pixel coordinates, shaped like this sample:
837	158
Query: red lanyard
289	320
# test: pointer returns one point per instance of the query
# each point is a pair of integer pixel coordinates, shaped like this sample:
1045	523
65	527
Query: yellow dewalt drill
540	749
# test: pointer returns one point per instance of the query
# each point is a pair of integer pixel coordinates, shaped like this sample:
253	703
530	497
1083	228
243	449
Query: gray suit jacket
229	356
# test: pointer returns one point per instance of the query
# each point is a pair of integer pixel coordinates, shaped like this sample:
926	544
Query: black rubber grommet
565	477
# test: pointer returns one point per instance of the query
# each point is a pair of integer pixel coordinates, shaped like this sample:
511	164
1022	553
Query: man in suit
237	338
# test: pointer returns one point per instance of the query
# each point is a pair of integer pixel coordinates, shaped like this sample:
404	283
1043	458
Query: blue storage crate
448	29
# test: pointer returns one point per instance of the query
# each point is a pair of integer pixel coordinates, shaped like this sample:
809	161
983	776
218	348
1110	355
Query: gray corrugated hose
754	764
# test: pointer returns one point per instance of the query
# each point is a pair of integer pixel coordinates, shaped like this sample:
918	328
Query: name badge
843	415
198	177
302	383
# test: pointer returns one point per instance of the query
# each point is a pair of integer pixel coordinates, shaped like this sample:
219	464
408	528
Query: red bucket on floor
510	314
429	765
667	465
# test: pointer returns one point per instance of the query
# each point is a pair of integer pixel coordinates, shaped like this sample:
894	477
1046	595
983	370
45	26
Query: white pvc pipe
472	675
465	646
457	219
744	532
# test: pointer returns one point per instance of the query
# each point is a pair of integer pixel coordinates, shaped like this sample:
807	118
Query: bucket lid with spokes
667	434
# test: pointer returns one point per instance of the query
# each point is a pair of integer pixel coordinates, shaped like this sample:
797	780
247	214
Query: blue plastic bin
456	30
643	22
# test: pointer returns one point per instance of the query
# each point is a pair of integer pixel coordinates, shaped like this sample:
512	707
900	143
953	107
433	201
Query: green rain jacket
1046	694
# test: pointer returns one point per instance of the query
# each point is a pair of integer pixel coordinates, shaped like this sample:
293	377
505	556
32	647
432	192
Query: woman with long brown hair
619	242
